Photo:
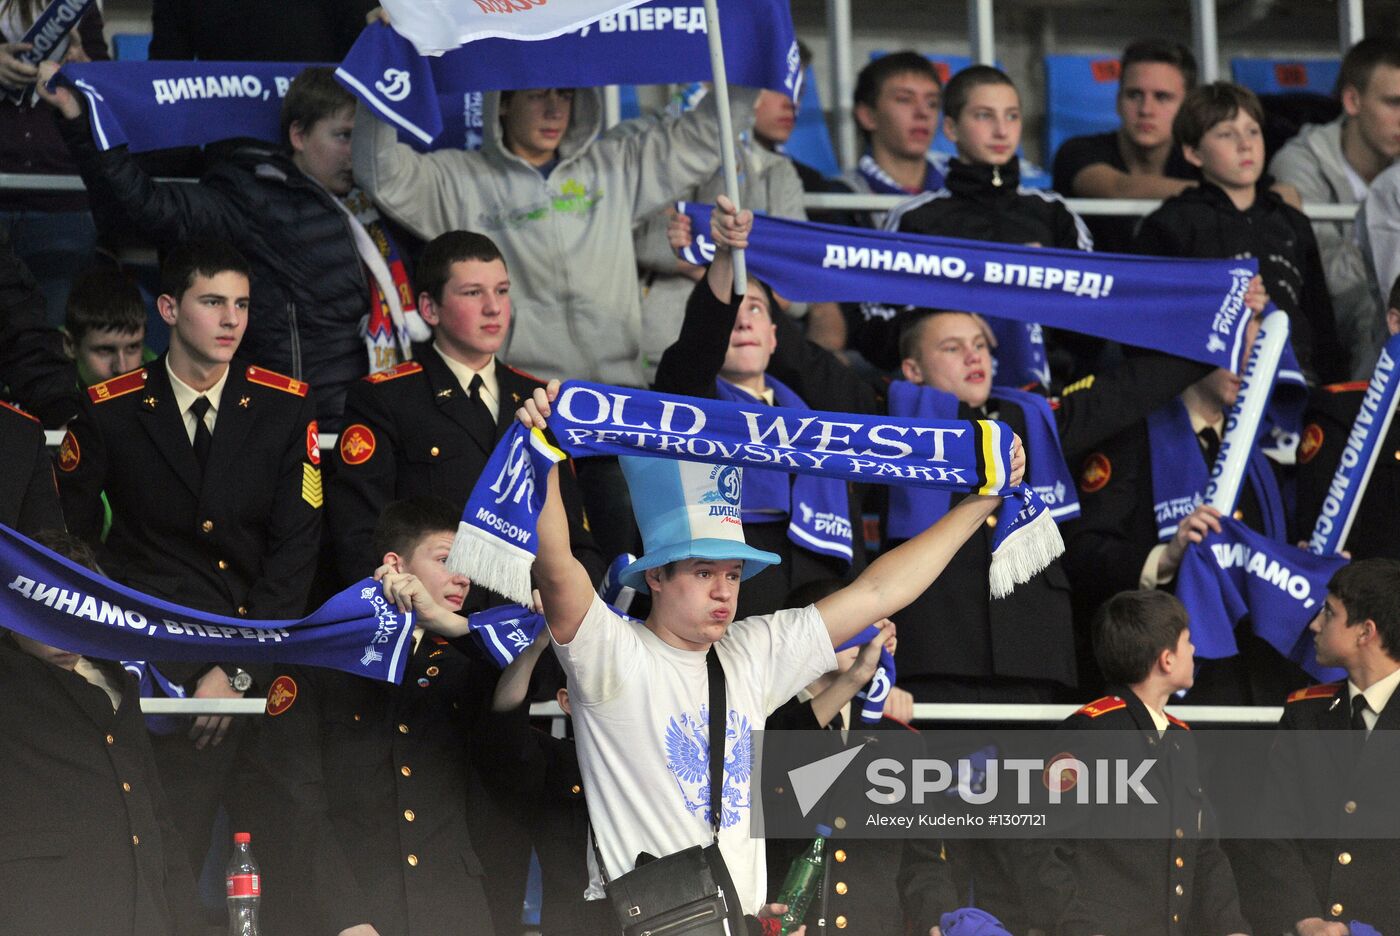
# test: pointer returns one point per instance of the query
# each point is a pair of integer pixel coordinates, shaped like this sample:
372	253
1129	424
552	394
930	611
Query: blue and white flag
872	697
56	601
437	26
47	37
497	539
505	632
162	105
1368	430
1190	308
656	42
1239	572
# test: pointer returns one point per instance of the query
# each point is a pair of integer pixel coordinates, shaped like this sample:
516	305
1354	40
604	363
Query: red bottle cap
242	838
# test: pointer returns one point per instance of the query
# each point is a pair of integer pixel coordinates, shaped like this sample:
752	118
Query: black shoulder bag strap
719	715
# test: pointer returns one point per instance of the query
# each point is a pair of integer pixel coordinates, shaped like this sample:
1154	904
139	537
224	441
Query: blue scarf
1283	418
496	539
913	509
1020	358
1180	476
505	632
821	523
56	601
881	184
1237	572
872	697
152	684
655	43
1190	308
1358	459
46	36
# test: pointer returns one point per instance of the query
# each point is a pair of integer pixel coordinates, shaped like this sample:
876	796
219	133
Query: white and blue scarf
497	538
816	508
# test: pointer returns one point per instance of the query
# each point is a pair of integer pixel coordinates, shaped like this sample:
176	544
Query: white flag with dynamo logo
438	26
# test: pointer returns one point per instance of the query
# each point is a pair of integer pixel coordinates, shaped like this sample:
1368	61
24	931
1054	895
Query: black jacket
1331	413
359	790
34	371
239	539
987	203
1176	886
408	434
309	287
1346	869
1203	222
28	495
86	841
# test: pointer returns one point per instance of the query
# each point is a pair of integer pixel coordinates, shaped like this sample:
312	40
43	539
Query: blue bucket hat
687	510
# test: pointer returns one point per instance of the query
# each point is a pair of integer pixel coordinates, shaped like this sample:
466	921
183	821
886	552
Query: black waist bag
688	893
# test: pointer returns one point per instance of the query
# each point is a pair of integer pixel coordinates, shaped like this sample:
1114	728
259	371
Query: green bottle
803	878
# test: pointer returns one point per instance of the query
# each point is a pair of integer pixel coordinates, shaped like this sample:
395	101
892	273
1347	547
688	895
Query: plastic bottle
244	885
803	878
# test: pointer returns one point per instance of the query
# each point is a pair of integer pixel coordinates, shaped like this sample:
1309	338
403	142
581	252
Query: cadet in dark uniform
1176	886
212	472
28	497
1330	773
88	845
1328	423
429	425
360	788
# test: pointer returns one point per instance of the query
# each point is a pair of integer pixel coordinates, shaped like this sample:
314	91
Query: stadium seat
1081	93
1286	76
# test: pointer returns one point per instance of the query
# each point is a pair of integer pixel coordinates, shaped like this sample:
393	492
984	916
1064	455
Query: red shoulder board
16	409
1351	387
1111	703
526	374
398	370
267	378
118	386
1324	691
1176	721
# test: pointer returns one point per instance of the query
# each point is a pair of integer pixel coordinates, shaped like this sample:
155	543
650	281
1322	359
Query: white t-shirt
641	719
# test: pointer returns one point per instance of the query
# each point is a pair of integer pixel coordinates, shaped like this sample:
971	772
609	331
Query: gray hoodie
1312	162
567	239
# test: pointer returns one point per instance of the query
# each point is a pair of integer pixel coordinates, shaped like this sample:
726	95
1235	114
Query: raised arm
561	579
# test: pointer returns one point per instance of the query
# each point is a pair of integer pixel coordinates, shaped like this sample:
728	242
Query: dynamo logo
396	84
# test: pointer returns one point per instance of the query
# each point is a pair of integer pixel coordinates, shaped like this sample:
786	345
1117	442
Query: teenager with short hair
104	326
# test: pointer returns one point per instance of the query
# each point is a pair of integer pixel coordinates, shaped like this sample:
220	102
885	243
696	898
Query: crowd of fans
341	282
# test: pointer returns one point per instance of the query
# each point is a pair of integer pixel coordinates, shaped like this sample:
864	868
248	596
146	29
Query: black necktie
481	418
1358	705
202	436
1210	444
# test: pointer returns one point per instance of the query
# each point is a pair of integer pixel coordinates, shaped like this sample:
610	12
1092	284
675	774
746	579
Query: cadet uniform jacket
1347	869
408	433
86	844
360	788
1175	886
28	498
239	538
1330	416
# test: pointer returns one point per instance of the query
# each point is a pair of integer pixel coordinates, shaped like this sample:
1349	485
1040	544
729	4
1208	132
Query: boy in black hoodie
1234	214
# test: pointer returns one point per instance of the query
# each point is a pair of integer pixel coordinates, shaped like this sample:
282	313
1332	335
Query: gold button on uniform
840	822
1337	910
403	729
1181	862
406	771
1180	833
207	526
841	887
433	671
1350	807
413	861
575	789
992	521
1239	515
126	787
1344	858
408	815
136	840
1176	918
223	565
841	922
356	716
840	855
111	740
242	611
1180	890
434	451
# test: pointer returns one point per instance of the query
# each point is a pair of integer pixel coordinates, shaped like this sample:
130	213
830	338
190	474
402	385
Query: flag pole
726	132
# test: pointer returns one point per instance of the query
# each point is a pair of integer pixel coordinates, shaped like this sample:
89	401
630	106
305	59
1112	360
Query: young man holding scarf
1329	420
1140	493
638	689
334	300
1332	771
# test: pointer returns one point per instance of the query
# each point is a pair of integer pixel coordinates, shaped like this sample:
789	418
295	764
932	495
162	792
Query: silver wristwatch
240	680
